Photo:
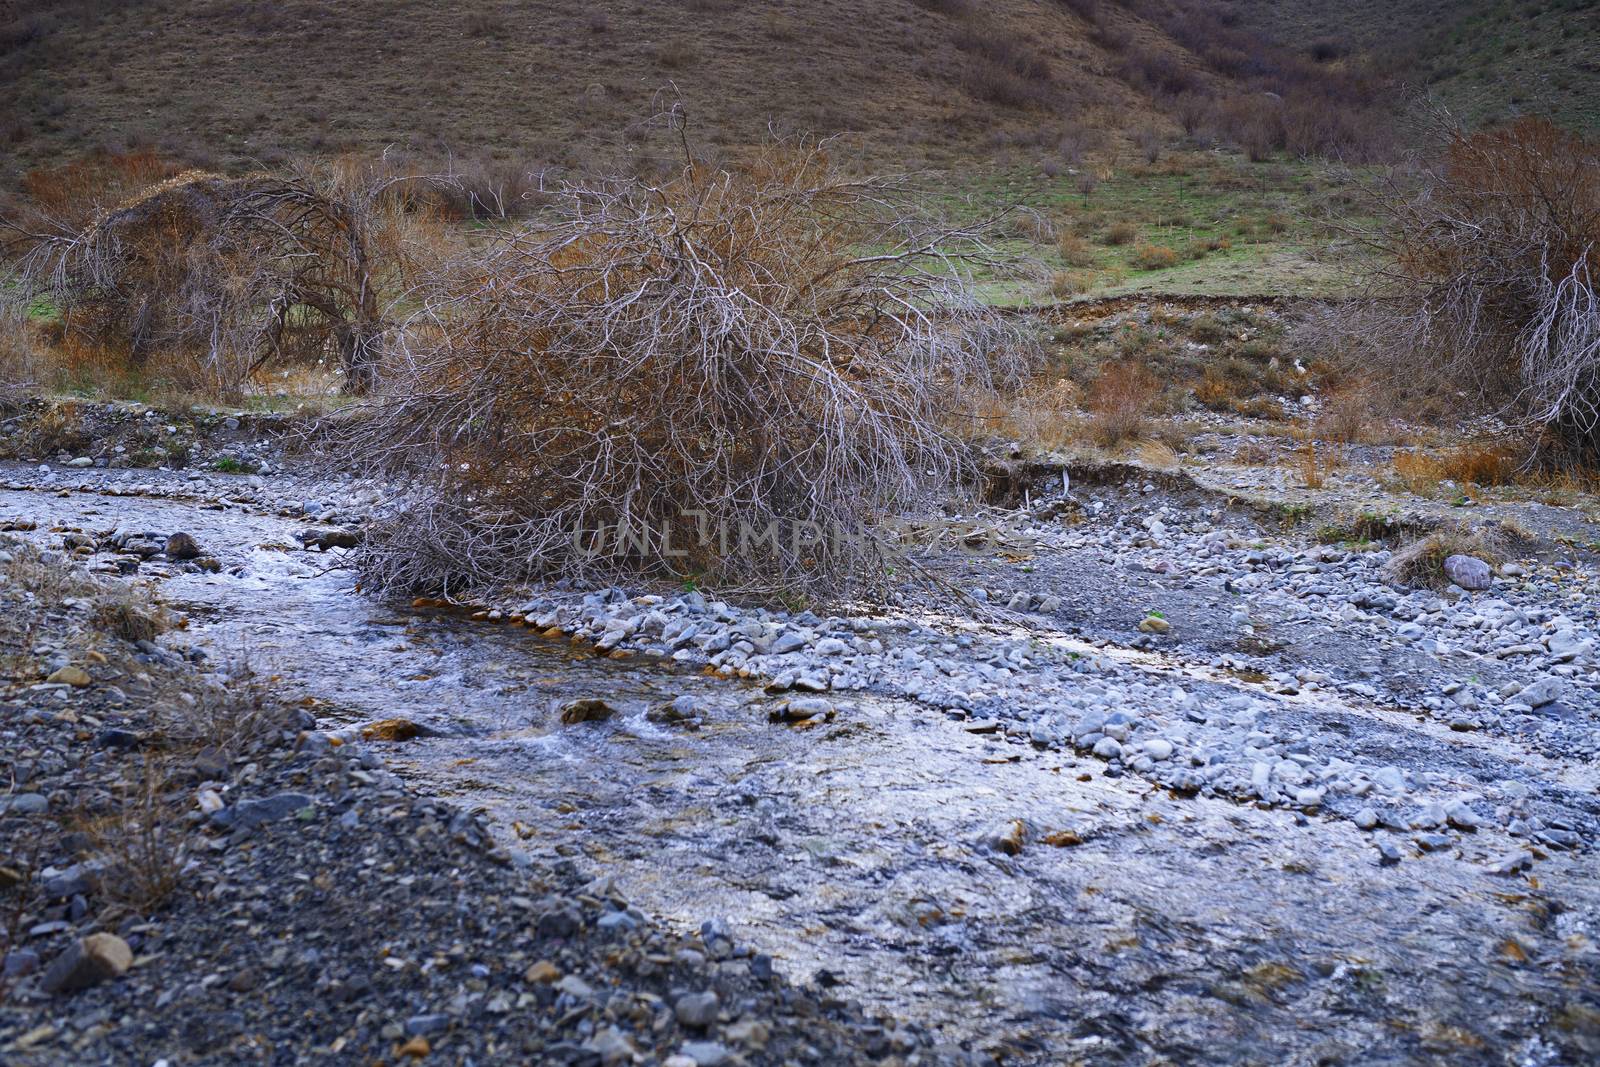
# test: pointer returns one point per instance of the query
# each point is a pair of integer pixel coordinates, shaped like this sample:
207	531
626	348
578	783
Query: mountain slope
557	81
1485	60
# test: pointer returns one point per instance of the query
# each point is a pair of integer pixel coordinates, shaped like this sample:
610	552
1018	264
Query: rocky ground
193	875
1188	768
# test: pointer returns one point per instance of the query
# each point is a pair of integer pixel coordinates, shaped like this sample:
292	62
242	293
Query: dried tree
1488	283
726	375
229	273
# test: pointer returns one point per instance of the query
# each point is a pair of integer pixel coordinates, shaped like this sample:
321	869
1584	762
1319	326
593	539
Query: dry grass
228	714
1315	461
139	844
323	79
1120	233
130	615
1075	250
1421	563
1351	413
1070	283
1045	414
1154	257
1481	464
1121	402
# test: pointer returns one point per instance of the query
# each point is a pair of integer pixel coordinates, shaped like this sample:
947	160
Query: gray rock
432	1023
587	709
706	1053
1544	691
1468	572
788	641
182	546
612	1046
1366	819
681	709
697	1009
1511	863
576	987
25	804
251	813
20	963
86	962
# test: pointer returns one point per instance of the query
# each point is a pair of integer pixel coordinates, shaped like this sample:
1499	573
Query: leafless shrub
1034	226
1121	233
140	844
220	275
1489	285
766	347
1121	401
229	714
1149	141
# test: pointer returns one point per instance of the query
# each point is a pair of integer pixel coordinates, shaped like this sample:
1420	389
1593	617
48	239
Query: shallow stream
1130	926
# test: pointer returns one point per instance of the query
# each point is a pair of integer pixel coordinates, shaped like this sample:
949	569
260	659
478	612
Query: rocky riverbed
1165	781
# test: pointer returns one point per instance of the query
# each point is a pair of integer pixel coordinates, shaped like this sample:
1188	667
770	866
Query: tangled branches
1491	283
728	376
219	275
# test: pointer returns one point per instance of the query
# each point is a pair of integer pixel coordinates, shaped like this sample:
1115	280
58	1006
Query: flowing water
1131	927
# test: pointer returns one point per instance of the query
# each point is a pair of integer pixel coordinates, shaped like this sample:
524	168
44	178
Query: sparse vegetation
205	279
1489	286
1154	257
723	345
1121	402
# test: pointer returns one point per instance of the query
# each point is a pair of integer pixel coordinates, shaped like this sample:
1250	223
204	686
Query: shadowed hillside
560	82
1484	59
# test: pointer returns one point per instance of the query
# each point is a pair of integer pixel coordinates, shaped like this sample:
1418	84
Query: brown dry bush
1154	257
1069	283
1350	413
1121	401
1481	463
765	347
1314	460
206	278
1075	251
1489	286
140	845
229	714
1121	233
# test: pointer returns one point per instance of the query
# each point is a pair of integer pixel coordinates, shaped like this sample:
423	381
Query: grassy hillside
565	83
1483	59
556	81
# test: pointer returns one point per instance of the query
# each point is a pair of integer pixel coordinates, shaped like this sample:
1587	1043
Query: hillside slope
1485	60
554	81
